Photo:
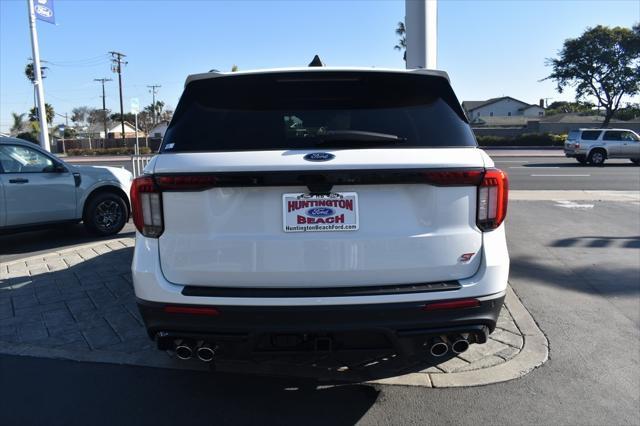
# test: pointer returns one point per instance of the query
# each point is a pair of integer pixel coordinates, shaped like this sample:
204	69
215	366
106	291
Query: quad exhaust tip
206	353
439	347
459	345
184	351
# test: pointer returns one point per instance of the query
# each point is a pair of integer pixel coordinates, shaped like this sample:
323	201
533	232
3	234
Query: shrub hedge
107	151
526	139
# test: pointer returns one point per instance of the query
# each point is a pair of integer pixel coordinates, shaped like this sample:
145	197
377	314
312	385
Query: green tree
629	112
28	72
602	64
97	116
129	117
402	41
18	123
33	115
80	115
560	107
28	136
234	68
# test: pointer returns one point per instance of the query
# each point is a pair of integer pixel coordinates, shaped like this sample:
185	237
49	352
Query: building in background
505	106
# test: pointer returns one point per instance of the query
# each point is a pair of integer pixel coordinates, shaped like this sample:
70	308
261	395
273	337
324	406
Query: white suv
594	146
326	213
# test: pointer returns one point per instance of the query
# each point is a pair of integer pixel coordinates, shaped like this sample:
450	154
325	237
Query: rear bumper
375	324
242	332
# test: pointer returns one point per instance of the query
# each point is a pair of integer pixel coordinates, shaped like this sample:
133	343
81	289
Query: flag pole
42	112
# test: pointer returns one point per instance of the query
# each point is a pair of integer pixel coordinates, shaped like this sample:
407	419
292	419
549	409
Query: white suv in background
594	146
327	213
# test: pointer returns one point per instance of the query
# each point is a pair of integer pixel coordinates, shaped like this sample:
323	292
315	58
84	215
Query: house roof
471	105
115	127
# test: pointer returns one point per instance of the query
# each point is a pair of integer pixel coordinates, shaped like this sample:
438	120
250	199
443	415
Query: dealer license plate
320	213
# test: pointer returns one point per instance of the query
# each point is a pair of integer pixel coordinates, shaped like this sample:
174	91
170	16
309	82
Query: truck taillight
146	203
492	199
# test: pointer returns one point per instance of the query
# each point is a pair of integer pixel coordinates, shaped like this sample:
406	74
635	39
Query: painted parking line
560	175
534	167
510	161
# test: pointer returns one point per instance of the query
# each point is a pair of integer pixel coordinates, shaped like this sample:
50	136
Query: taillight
452	304
471	177
492	199
146	203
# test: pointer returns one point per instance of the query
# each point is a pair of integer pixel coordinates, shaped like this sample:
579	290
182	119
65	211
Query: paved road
528	172
559	173
576	269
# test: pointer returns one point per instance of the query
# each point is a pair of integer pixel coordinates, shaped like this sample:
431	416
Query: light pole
421	23
37	72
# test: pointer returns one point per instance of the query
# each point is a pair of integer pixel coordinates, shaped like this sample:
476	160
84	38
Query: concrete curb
534	353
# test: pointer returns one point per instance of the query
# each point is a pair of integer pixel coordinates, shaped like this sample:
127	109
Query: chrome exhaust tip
206	353
459	345
184	351
439	347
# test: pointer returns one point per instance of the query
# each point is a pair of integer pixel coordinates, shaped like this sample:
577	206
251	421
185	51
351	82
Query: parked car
39	189
323	213
594	146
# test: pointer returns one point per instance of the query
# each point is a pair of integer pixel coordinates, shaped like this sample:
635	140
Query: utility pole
37	72
117	67
153	91
104	107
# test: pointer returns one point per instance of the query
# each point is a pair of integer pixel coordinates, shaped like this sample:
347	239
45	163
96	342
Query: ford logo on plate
319	156
320	212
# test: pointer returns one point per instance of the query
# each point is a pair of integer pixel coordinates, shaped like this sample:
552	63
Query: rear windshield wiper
357	136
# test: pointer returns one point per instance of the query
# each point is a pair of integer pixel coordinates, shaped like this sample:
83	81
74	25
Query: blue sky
489	48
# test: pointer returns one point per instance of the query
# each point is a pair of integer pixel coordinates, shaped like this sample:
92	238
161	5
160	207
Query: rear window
591	135
573	135
315	110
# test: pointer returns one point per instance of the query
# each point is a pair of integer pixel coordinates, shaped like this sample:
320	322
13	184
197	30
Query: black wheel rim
108	215
597	158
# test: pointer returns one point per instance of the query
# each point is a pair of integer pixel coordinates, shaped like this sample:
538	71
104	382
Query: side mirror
55	168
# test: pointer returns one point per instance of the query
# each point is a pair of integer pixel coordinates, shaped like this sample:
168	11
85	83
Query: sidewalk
79	304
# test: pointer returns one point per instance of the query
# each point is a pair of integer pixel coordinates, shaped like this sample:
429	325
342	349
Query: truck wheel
597	157
581	159
106	214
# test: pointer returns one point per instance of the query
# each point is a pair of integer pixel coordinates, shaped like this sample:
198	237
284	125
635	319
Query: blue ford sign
44	10
319	156
320	212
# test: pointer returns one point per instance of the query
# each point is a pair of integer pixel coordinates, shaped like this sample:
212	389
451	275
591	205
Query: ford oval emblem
319	156
320	212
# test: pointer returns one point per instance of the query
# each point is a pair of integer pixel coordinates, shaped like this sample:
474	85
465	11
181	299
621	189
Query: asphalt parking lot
575	267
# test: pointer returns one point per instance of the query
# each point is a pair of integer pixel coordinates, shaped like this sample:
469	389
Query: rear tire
581	159
105	214
635	161
597	157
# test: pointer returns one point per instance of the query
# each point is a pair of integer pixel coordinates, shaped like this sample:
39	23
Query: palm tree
402	42
18	123
33	116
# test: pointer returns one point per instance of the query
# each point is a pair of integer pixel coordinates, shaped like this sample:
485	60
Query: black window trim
54	160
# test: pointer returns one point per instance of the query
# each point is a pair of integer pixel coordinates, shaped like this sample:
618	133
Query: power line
116	67
153	90
104	107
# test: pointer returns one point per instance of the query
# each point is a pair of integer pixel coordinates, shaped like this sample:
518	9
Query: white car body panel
490	280
408	233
